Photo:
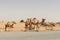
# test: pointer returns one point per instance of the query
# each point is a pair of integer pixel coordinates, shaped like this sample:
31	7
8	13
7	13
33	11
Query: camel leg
25	28
33	27
5	28
51	28
37	28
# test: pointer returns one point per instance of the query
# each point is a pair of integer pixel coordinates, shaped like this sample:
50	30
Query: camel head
43	20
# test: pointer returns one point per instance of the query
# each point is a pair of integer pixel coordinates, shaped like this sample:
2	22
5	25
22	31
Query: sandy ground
45	35
19	27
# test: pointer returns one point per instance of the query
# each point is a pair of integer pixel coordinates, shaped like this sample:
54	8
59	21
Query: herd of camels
33	24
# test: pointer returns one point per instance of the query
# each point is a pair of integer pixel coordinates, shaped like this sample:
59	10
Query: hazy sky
22	9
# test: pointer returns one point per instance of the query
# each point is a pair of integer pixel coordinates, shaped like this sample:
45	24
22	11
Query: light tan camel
35	23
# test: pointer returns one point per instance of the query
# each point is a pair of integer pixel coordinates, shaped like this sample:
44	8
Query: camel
35	23
50	25
28	24
31	24
9	25
42	22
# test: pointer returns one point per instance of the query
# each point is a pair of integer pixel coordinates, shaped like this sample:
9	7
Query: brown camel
28	24
9	25
50	25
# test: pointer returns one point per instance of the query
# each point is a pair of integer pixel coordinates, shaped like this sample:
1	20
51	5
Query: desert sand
19	27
